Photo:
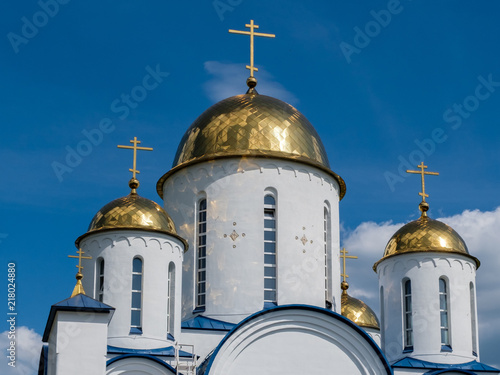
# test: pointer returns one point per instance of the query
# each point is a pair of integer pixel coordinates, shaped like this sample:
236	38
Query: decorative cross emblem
252	33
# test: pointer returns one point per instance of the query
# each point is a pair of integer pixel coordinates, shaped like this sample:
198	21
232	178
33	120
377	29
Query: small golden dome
251	125
131	212
358	312
426	235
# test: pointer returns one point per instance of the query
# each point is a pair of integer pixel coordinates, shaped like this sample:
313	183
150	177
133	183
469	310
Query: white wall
118	248
424	271
235	190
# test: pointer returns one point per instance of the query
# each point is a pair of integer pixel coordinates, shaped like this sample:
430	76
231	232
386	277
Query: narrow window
136	310
171	299
201	261
408	319
443	311
473	319
269	250
100	280
328	259
382	316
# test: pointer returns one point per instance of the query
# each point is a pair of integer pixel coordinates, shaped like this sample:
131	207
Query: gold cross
422	172
80	257
252	33
344	255
135	142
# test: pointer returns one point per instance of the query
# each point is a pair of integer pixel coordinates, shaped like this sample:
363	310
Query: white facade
158	253
424	271
234	190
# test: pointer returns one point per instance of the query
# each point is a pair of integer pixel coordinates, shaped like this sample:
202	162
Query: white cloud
230	79
481	232
28	347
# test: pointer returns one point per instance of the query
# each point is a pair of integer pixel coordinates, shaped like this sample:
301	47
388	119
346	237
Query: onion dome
251	125
357	311
132	212
426	235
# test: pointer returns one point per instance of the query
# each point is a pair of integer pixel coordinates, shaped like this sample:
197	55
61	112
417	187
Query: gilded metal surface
252	33
132	212
426	235
251	125
358	312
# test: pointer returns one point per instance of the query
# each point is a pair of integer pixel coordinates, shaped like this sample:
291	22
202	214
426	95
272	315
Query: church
240	271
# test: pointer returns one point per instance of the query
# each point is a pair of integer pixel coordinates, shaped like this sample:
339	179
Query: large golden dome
131	212
358	312
251	125
426	235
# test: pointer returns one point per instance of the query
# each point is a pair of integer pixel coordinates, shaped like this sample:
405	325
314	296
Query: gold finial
79	275
134	183
344	285
251	81
423	206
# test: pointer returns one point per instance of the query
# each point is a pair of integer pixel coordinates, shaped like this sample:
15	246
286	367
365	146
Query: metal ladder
188	364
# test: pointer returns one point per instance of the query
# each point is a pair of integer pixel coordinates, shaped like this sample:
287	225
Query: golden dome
131	212
425	235
251	125
358	312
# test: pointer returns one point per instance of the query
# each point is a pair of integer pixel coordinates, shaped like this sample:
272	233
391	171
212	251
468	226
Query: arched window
100	279
444	314
269	250
473	319
136	308
201	256
382	316
407	315
327	239
171	298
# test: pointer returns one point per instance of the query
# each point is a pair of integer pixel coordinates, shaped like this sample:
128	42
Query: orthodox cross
252	33
423	173
344	255
135	142
80	256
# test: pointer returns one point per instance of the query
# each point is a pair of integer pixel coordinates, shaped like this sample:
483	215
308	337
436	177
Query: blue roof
78	303
167	351
202	322
409	362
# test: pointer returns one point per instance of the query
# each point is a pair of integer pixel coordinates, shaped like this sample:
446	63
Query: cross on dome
134	183
344	256
252	82
424	206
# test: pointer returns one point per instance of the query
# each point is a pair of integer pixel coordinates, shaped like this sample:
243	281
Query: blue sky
383	82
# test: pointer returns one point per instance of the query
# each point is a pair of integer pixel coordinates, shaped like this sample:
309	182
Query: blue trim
408	349
168	351
321	310
170	337
43	364
145	356
409	362
269	305
78	303
201	322
446	348
135	331
198	310
450	370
